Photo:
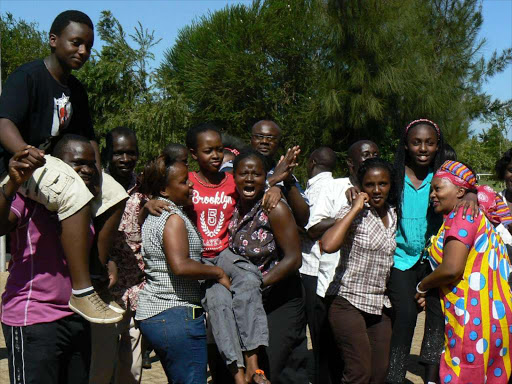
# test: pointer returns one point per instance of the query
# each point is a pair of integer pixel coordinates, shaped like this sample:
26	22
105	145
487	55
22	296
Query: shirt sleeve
461	229
322	208
15	98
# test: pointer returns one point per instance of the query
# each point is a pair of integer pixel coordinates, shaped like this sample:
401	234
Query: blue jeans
179	340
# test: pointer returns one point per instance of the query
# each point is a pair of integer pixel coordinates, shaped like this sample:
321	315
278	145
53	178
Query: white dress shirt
326	196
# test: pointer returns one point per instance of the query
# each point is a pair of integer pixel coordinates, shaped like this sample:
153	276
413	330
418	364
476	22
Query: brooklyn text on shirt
218	199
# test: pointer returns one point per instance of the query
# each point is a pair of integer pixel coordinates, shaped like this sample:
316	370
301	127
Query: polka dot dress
477	307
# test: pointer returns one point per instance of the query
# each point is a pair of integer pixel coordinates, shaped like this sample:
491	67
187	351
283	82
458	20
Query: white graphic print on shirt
62	112
212	220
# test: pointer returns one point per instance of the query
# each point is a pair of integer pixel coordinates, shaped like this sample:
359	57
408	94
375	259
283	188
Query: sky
167	17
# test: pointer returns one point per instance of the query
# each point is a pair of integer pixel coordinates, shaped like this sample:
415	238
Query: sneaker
102	289
93	309
116	307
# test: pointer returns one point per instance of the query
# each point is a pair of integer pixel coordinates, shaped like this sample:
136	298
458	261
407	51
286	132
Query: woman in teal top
419	154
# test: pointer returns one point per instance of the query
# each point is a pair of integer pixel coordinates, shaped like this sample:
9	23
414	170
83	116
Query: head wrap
492	205
426	121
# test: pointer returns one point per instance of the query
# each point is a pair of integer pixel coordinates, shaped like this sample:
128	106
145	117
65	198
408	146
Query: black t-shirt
42	108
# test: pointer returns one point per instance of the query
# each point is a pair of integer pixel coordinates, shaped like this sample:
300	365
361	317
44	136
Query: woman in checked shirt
365	235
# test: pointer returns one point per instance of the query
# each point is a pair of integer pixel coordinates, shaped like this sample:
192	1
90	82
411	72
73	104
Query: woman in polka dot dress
471	269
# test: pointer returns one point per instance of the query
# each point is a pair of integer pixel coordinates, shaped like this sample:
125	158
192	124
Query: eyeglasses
259	137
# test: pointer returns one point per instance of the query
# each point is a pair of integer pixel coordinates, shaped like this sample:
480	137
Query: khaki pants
116	351
60	189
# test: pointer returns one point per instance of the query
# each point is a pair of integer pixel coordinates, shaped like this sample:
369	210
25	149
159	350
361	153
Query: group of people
225	266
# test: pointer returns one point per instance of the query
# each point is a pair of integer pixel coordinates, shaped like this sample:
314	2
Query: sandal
259	377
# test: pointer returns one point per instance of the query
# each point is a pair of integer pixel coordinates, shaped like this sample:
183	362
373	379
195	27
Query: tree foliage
22	42
121	92
399	60
246	63
328	72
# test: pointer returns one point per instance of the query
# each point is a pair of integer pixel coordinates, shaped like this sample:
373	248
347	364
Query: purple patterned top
251	236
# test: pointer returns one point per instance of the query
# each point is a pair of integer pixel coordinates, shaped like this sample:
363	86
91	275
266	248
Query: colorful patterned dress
477	307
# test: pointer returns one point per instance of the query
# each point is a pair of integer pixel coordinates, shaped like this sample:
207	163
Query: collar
317	178
426	181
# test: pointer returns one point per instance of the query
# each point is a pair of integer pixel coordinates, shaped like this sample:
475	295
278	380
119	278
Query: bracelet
9	199
418	289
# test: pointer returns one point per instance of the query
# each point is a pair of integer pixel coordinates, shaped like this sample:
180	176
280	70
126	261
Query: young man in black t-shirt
40	102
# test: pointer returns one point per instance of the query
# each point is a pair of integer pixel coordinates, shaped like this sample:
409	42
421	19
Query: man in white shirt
326	196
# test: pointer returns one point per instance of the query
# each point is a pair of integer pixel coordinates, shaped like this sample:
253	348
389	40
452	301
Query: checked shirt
366	258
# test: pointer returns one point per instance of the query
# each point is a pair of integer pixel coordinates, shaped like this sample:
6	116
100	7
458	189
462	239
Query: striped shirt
163	289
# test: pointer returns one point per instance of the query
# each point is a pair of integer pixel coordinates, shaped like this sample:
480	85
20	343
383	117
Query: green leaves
328	72
22	42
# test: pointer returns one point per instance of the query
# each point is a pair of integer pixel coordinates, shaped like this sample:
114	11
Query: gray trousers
238	319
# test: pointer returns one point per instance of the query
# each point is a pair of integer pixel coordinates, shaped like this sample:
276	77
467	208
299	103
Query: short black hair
192	133
107	152
268	122
66	17
380	163
249	152
501	164
325	158
358	144
62	144
173	150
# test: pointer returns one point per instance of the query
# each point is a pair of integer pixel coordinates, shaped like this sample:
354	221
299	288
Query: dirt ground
156	375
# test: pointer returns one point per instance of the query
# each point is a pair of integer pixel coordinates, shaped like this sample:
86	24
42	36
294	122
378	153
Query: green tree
483	150
121	92
22	42
245	63
398	60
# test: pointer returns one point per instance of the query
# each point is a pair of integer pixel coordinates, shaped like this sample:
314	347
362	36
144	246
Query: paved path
156	375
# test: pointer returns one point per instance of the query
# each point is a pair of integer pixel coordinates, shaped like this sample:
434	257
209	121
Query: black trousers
49	353
327	361
285	359
401	291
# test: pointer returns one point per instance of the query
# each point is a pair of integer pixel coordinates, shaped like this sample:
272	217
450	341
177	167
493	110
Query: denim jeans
180	343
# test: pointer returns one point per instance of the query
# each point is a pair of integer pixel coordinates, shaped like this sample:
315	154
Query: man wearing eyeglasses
265	138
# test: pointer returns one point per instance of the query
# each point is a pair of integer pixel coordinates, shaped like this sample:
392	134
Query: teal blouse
414	229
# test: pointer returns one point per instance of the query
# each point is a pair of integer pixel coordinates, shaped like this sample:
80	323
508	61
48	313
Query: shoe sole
96	320
117	310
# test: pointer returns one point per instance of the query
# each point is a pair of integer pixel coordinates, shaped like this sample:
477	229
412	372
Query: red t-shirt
212	209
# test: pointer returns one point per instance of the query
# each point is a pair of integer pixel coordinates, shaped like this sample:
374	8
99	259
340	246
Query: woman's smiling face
377	184
444	195
422	144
